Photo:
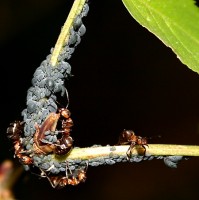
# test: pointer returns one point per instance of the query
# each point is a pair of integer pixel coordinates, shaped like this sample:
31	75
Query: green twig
65	32
152	149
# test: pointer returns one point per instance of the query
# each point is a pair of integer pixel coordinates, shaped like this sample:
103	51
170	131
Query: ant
61	146
14	132
64	144
129	137
61	181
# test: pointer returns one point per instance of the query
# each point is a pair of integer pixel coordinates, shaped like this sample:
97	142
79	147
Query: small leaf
174	22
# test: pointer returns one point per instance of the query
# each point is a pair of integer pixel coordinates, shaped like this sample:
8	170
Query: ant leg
51	167
68	169
67	96
129	151
144	147
71	179
26	152
53	183
86	168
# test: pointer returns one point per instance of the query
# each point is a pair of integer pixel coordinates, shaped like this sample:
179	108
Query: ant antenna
68	169
154	136
67	96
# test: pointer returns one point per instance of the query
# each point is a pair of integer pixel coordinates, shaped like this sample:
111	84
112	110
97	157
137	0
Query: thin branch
152	150
65	32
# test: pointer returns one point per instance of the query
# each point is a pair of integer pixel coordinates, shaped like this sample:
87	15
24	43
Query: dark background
124	77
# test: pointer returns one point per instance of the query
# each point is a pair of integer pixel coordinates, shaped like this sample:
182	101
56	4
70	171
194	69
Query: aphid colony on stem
61	147
45	130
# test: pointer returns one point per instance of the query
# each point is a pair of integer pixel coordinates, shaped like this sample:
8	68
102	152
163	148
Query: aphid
70	178
172	161
85	10
65	69
14	132
31	106
129	137
64	144
50	84
82	30
59	87
77	22
73	37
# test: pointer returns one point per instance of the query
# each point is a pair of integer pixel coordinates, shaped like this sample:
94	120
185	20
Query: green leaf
174	22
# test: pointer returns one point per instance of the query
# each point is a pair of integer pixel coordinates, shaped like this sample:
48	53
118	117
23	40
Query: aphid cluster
76	32
172	161
45	130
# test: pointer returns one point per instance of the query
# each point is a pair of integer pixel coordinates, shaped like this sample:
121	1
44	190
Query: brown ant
21	154
64	144
61	181
14	132
129	137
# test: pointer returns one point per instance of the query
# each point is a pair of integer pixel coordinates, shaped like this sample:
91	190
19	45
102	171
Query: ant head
144	141
127	134
82	175
64	112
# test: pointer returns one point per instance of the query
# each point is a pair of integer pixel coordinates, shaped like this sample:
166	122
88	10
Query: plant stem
152	149
65	32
